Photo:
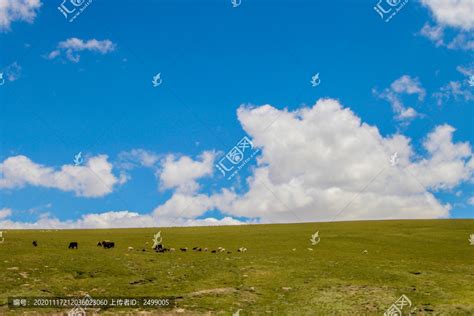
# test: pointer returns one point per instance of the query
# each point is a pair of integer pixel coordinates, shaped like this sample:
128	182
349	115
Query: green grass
430	261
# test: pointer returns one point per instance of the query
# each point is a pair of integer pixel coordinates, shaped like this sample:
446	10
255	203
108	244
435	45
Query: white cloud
210	221
448	163
323	158
17	10
129	159
434	33
453	90
181	173
466	70
403	85
462	41
12	72
453	13
185	205
457	14
118	219
318	161
471	200
72	46
94	179
5	212
408	85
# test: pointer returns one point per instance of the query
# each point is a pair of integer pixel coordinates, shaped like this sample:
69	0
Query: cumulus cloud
447	163
317	163
324	157
324	163
185	205
72	46
403	85
94	179
117	219
181	173
17	10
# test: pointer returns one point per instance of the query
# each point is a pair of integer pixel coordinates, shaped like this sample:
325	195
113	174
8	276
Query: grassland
430	261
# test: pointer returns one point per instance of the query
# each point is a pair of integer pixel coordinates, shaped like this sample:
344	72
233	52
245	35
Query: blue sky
86	86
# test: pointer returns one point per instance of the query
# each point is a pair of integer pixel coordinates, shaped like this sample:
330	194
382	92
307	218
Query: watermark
471	239
157	80
78	160
77	311
2	239
394	159
78	303
387	9
236	3
315	81
234	160
315	239
71	9
2	80
471	81
157	240
396	308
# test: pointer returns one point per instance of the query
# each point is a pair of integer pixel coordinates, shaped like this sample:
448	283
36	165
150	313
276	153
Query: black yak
35	243
108	244
73	245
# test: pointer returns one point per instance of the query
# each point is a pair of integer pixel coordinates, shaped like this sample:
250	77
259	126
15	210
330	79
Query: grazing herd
107	244
219	249
160	248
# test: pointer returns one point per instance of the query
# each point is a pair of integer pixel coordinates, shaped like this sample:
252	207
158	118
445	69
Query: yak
73	245
108	244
